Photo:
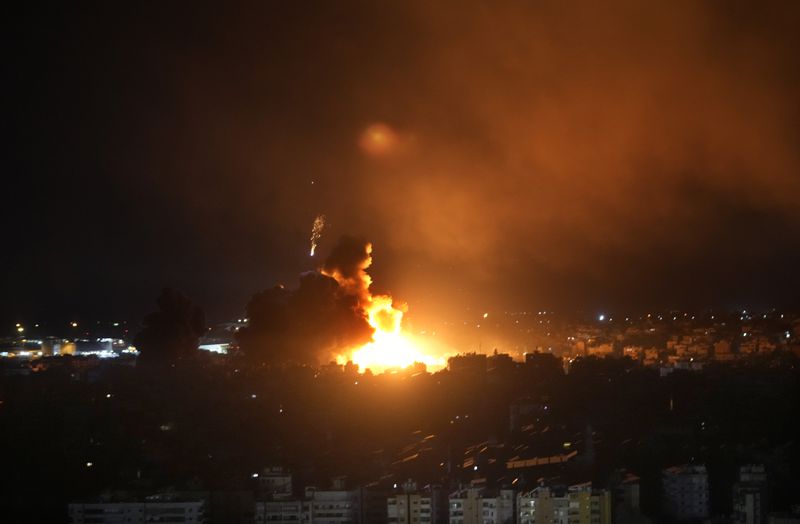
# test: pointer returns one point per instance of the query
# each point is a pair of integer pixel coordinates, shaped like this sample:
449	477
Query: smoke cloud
600	152
566	154
323	316
348	263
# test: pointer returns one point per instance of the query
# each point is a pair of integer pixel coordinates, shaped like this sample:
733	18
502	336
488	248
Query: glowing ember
390	348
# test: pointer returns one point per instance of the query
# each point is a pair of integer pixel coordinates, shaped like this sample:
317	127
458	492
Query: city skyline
401	262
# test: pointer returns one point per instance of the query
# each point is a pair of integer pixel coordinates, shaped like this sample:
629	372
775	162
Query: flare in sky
316	232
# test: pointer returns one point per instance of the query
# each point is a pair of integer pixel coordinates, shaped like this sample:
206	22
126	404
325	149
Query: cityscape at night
354	262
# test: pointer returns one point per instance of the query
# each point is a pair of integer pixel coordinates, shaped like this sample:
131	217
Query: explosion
390	348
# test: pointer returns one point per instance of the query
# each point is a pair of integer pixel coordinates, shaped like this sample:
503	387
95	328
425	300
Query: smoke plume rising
323	316
576	154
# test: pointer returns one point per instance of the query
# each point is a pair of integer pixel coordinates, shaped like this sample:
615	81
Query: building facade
750	505
578	504
190	512
685	492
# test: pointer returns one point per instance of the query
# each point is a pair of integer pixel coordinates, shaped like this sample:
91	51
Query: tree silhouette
173	331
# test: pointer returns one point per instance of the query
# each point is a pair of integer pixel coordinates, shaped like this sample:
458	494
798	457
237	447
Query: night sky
497	155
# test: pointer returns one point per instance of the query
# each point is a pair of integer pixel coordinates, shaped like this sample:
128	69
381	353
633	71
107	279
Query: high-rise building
465	506
685	492
338	505
478	506
331	506
154	509
498	508
587	506
750	495
274	482
625	498
275	503
279	511
536	506
579	504
427	506
626	490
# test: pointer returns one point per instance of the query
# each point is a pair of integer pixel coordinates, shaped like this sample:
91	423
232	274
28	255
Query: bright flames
390	348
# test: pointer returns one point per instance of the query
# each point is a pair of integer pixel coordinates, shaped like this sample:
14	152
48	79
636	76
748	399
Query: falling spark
316	232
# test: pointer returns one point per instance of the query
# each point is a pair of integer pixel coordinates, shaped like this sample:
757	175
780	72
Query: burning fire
390	348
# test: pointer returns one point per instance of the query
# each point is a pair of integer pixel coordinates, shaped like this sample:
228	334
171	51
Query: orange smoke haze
567	154
379	139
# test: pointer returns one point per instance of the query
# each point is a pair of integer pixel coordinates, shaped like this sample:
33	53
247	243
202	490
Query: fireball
390	349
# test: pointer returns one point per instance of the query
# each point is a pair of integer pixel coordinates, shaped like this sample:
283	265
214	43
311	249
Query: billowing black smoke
322	316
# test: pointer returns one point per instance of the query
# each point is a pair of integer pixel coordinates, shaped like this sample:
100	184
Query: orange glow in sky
378	139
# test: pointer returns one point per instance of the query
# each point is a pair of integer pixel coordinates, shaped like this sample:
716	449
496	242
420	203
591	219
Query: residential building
153	509
274	482
279	511
536	506
465	506
331	506
428	506
685	492
579	504
626	490
588	506
498	509
750	495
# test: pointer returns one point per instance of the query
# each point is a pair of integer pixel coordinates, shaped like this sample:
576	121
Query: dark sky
521	154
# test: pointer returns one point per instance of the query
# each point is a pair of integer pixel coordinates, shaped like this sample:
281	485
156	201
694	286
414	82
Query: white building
465	506
750	495
138	512
410	508
331	506
580	504
498	509
334	506
413	506
280	511
275	482
536	506
474	506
